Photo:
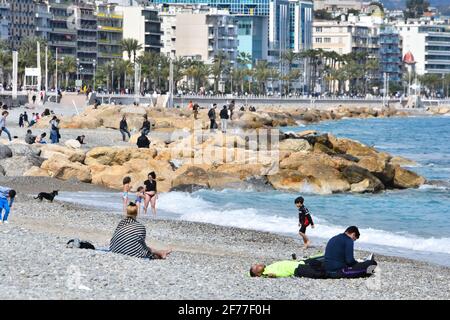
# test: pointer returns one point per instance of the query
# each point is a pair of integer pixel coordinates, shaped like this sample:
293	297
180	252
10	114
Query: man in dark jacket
224	118
339	259
142	141
145	126
212	117
124	128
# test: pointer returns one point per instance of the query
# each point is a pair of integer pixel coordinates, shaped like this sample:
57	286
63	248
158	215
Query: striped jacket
129	239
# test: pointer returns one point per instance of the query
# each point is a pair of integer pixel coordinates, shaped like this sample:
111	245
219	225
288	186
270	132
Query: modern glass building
247	7
390	55
266	27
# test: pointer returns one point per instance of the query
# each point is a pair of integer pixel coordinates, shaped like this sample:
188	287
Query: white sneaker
6	222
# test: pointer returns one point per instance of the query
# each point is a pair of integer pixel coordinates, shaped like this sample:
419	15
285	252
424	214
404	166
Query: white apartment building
344	37
198	32
337	5
429	42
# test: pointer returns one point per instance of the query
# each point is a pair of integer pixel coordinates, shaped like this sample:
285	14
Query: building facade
429	42
86	41
22	23
5	19
109	33
390	54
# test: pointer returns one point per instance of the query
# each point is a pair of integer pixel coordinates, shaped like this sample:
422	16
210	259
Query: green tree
68	67
131	47
415	8
218	68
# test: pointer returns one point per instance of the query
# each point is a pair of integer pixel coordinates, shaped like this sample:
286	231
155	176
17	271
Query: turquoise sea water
411	223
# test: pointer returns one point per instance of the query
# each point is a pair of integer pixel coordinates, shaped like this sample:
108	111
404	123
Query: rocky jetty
321	163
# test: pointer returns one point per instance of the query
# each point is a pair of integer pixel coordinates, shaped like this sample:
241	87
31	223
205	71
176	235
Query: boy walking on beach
304	220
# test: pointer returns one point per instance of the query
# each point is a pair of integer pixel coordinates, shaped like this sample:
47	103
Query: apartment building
390	53
86	40
22	23
109	33
429	42
5	19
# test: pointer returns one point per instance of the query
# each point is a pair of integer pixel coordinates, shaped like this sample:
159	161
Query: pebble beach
208	261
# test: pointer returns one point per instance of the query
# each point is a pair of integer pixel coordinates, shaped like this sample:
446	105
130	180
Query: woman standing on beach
150	193
3	124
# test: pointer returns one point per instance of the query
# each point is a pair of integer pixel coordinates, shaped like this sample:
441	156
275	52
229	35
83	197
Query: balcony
87	49
109	16
58	43
109	42
110	29
87	39
64	31
109	55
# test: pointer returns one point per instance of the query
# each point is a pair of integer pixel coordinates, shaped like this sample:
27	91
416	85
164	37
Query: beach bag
80	244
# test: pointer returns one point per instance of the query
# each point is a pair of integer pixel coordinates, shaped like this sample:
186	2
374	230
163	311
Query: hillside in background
442	5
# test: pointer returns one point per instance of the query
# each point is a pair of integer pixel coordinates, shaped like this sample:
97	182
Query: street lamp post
159	76
112	76
231	74
93	63
78	67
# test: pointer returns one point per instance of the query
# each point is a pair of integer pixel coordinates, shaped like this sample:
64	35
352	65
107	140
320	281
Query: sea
413	223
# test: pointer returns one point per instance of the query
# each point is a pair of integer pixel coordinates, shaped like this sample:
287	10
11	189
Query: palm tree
131	46
244	59
217	68
197	72
262	74
68	67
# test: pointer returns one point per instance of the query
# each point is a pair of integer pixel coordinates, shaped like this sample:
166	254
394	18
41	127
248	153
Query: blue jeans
4	129
4	205
123	132
54	136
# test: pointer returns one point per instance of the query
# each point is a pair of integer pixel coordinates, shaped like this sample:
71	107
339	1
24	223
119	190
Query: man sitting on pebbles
129	238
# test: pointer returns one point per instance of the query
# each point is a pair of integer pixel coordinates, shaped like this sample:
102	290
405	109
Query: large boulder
72	143
401	161
58	166
36	172
17	165
295	145
379	167
22	149
2	171
355	175
404	178
190	178
117	155
5	152
72	155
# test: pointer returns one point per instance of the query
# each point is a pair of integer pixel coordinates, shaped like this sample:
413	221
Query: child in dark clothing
304	220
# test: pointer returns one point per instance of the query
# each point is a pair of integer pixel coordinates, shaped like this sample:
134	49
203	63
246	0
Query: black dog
46	195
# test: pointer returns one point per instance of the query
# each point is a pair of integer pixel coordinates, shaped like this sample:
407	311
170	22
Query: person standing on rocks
124	128
231	109
195	108
150	193
224	118
54	130
212	117
304	220
7	196
3	125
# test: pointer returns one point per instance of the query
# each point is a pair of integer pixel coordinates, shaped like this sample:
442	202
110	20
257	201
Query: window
318	29
318	40
327	40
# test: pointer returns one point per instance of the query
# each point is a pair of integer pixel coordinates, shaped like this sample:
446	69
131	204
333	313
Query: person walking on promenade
3	124
224	118
212	117
124	128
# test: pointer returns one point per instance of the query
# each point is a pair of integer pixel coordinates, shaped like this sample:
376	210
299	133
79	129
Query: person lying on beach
339	259
129	238
311	267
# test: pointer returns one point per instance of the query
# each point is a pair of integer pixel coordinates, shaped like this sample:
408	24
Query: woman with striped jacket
129	238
